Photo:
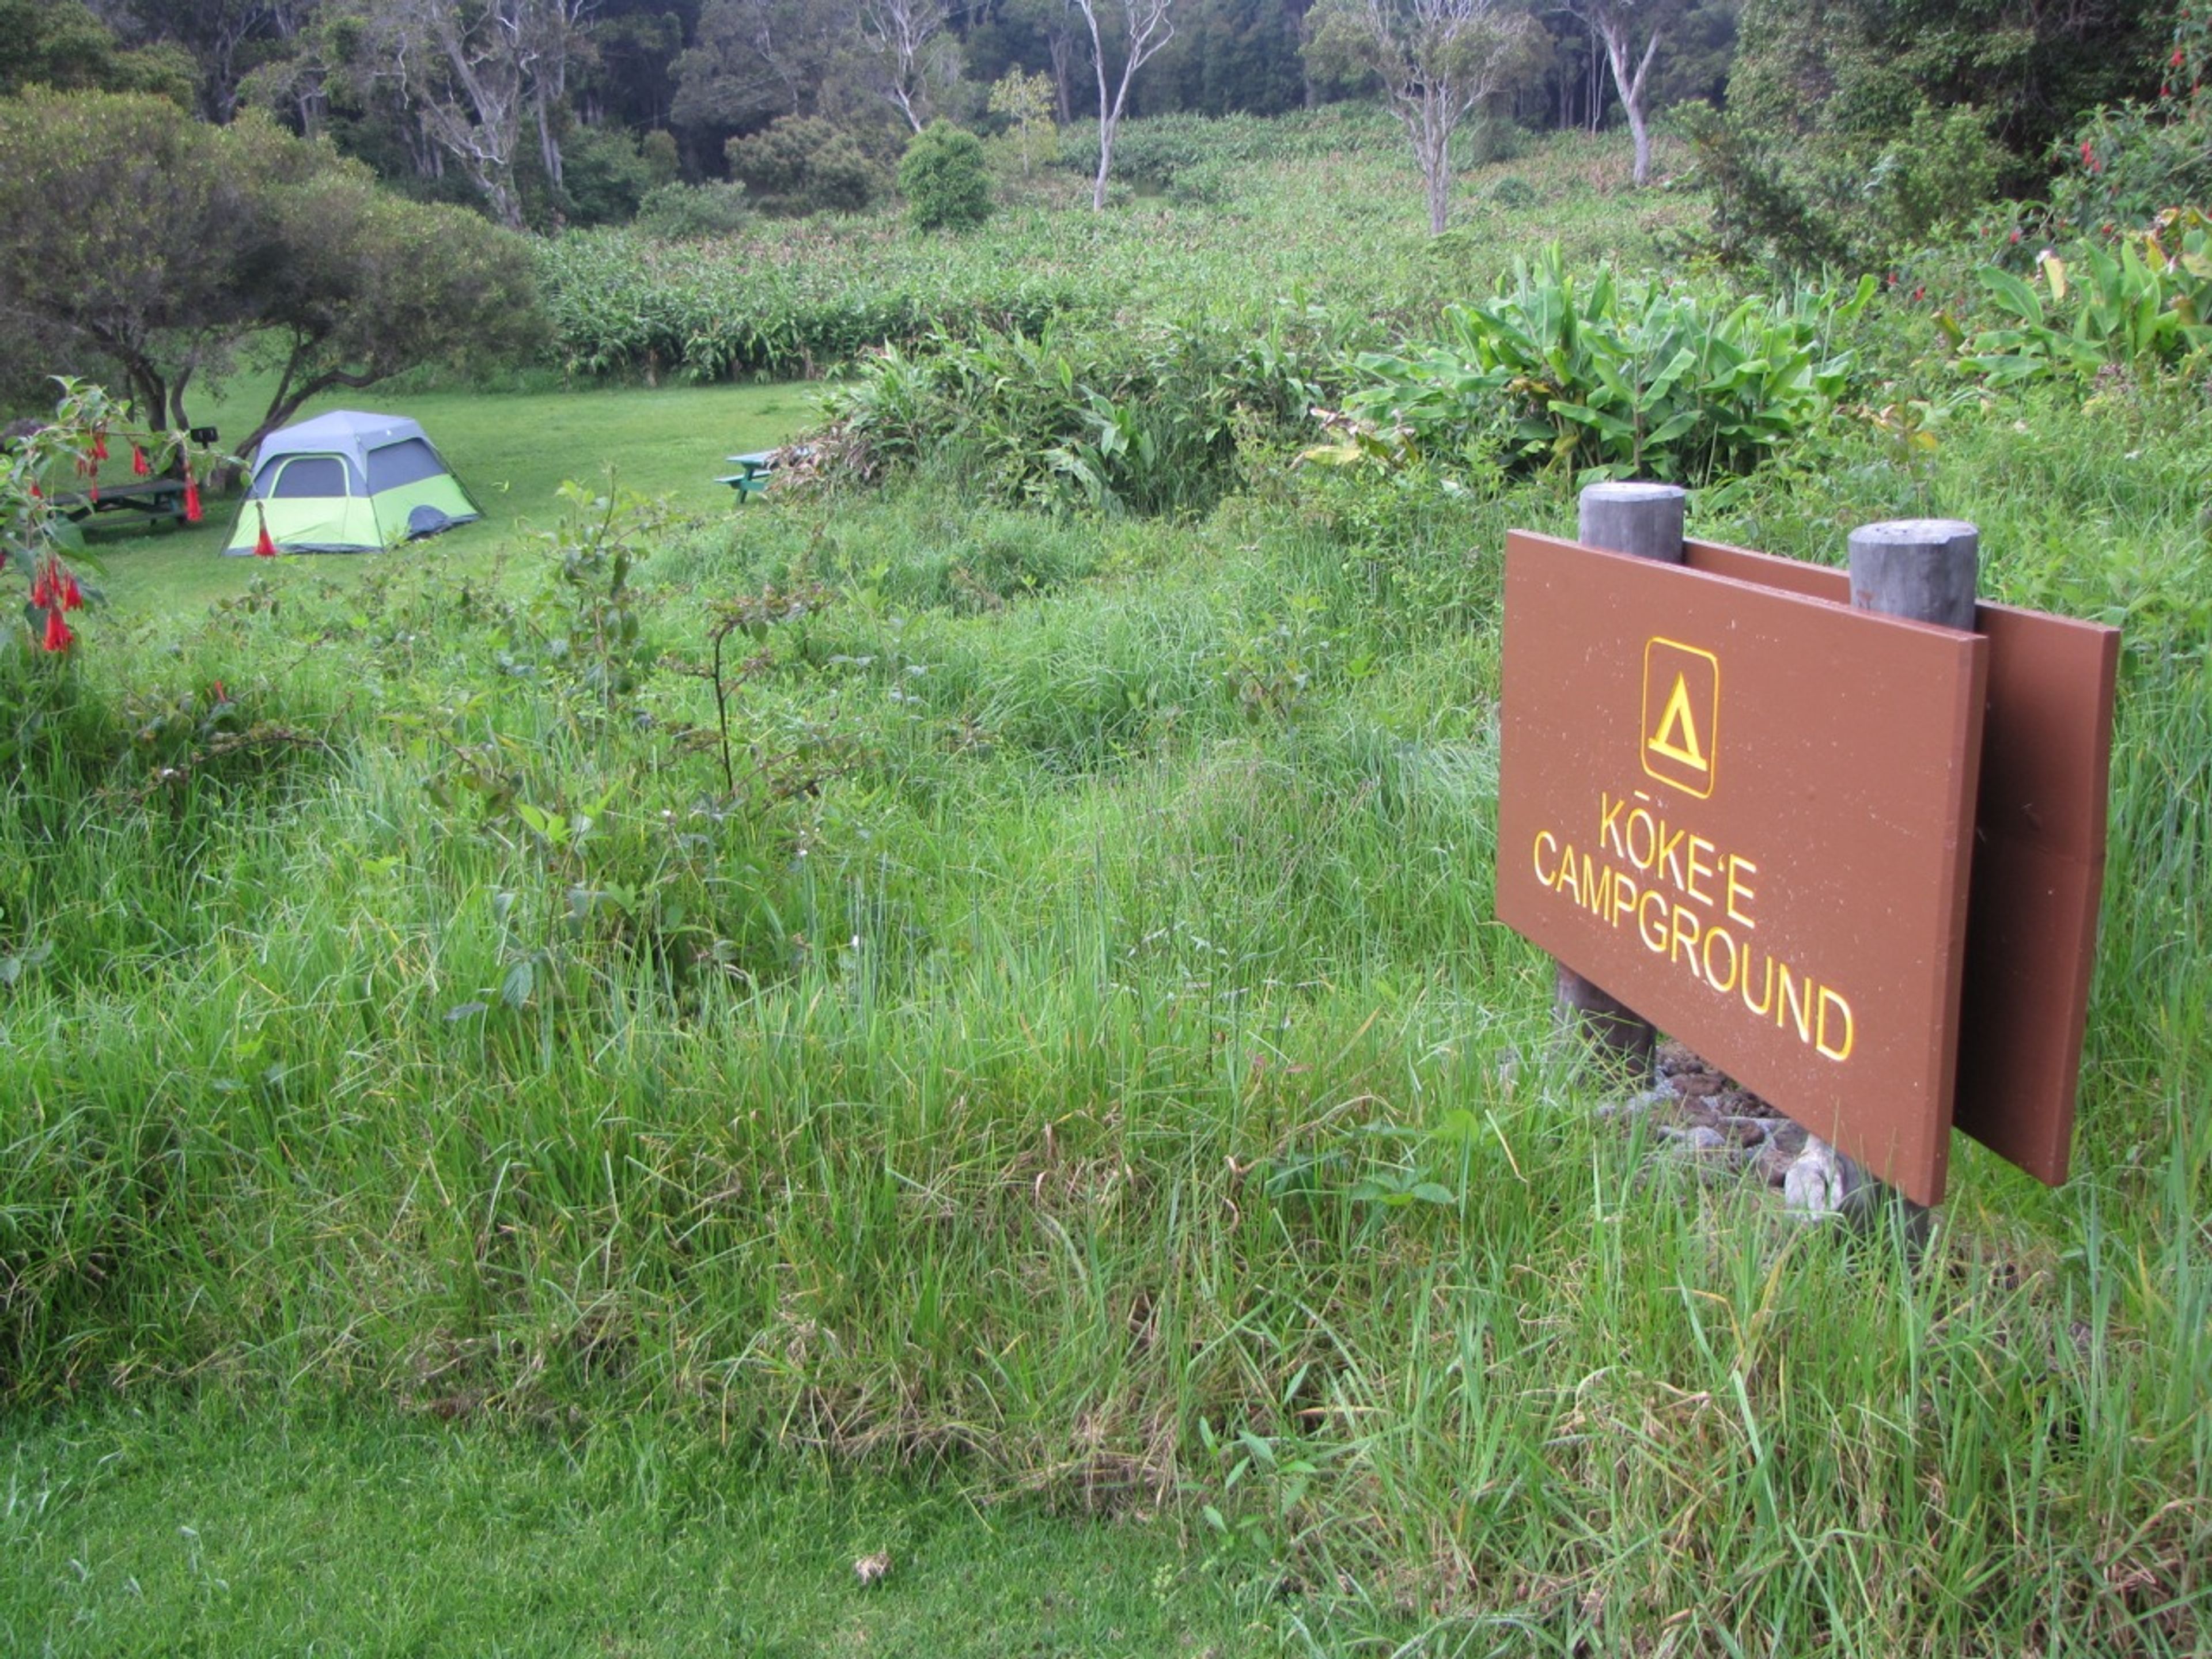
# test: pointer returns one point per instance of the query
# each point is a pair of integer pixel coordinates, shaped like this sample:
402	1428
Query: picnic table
751	478
152	500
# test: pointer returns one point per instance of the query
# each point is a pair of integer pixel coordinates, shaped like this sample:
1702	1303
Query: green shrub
1630	379
2142	306
1850	200
606	173
678	212
802	164
1143	420
945	179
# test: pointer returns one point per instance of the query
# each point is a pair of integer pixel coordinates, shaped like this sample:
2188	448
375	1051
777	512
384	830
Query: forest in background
546	113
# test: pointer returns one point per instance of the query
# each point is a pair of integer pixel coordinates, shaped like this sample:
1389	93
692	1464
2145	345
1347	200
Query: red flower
42	587
99	443
138	467
58	636
264	547
2174	62
91	491
72	595
36	492
193	514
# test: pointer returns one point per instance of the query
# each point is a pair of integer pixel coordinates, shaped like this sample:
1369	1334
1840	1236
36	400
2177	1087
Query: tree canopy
137	240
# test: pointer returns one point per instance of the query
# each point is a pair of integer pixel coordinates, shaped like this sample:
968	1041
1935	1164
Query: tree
755	60
363	285
1619	27
1140	28
911	53
944	179
209	239
60	43
1437	62
1026	100
471	70
146	283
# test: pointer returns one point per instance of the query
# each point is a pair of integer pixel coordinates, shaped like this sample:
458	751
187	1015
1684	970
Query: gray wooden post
1645	522
1924	570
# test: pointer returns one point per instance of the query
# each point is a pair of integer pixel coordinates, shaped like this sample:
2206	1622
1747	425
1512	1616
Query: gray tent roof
346	432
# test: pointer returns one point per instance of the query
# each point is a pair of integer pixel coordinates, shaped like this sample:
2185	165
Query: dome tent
348	482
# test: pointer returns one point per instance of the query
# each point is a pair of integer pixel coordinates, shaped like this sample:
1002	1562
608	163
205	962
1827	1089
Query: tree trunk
1106	134
1630	87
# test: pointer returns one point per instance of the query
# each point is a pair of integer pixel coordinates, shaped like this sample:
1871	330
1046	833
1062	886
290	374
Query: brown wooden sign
2039	861
1746	813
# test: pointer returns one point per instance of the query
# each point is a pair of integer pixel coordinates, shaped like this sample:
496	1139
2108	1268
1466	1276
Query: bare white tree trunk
899	34
1144	27
1615	23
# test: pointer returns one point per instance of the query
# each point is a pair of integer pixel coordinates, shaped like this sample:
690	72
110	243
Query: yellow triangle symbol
1677	738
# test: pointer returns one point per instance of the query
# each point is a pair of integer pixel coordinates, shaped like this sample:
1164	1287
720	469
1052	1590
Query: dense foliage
944	177
1623	378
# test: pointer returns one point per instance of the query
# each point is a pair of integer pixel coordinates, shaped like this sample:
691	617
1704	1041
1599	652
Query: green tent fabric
348	482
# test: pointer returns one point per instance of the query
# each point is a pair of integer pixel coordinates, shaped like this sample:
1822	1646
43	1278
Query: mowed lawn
511	449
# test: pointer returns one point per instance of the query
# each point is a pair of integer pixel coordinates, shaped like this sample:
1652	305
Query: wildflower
192	500
99	443
72	595
264	546
42	587
58	635
139	466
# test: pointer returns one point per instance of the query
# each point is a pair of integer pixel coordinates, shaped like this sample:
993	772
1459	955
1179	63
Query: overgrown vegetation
982	963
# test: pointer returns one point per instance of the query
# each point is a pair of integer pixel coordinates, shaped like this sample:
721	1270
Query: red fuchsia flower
42	587
138	467
58	637
264	546
72	595
99	443
193	514
2174	62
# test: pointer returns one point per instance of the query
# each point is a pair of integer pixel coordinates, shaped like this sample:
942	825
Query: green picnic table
750	479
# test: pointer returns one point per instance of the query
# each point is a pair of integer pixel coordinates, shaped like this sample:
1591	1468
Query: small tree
1026	100
1137	28
1621	26
1438	61
944	179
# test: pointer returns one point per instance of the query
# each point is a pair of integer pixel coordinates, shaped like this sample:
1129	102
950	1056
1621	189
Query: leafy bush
678	212
2145	305
606	173
945	179
1626	379
1855	202
1143	420
802	164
